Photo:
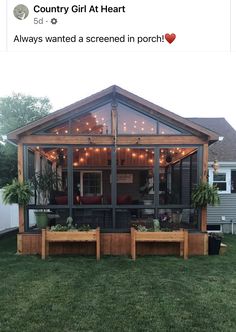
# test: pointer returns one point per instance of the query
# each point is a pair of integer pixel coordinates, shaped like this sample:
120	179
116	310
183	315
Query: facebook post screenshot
117	165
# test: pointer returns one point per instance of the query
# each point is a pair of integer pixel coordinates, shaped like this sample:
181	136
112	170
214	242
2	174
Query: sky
190	84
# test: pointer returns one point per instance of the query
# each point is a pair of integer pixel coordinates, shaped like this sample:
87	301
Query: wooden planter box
89	236
180	236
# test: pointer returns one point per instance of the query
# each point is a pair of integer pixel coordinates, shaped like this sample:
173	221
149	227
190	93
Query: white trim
227	172
223	163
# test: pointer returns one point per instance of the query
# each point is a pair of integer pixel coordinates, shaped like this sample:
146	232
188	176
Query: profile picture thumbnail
21	12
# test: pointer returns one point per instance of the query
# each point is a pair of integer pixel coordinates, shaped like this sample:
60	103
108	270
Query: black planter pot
214	245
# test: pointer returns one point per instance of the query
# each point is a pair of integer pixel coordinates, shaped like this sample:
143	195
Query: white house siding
8	215
227	209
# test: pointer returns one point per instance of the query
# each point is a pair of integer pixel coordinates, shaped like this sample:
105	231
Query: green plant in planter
84	228
44	183
205	194
156	225
59	228
17	192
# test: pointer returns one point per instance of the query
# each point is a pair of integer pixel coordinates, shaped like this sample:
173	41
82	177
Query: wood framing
21	178
112	244
180	236
115	132
204	178
50	236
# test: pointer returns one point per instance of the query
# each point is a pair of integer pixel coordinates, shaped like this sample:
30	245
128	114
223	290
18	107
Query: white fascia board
224	163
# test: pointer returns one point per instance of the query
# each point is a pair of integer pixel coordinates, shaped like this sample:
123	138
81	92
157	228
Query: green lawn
116	294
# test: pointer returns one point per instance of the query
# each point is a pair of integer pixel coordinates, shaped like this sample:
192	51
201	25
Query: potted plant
17	193
44	183
205	194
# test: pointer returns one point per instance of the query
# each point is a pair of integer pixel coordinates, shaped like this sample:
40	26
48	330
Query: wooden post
98	243
44	244
185	244
21	178
133	244
19	244
204	178
181	245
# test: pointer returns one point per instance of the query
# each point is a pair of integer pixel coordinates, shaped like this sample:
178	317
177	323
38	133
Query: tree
17	111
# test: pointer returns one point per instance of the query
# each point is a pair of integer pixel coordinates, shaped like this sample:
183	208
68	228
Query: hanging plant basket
205	194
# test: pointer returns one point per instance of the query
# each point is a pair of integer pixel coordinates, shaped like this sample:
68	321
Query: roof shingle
222	150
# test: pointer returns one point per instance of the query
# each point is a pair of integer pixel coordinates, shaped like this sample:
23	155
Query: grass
116	294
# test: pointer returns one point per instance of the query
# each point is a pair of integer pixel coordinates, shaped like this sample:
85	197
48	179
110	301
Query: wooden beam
98	250
43	243
133	244
205	162
21	178
19	244
204	178
185	244
62	140
108	140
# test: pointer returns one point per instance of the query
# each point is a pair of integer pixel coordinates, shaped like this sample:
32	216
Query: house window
91	183
233	181
221	180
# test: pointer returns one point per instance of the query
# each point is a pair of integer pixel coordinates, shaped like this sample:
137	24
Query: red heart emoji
170	38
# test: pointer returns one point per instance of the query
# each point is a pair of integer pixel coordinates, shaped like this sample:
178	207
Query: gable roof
114	92
222	150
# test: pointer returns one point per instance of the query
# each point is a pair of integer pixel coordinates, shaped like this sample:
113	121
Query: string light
77	129
86	154
66	131
134	155
81	160
128	149
104	149
75	164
